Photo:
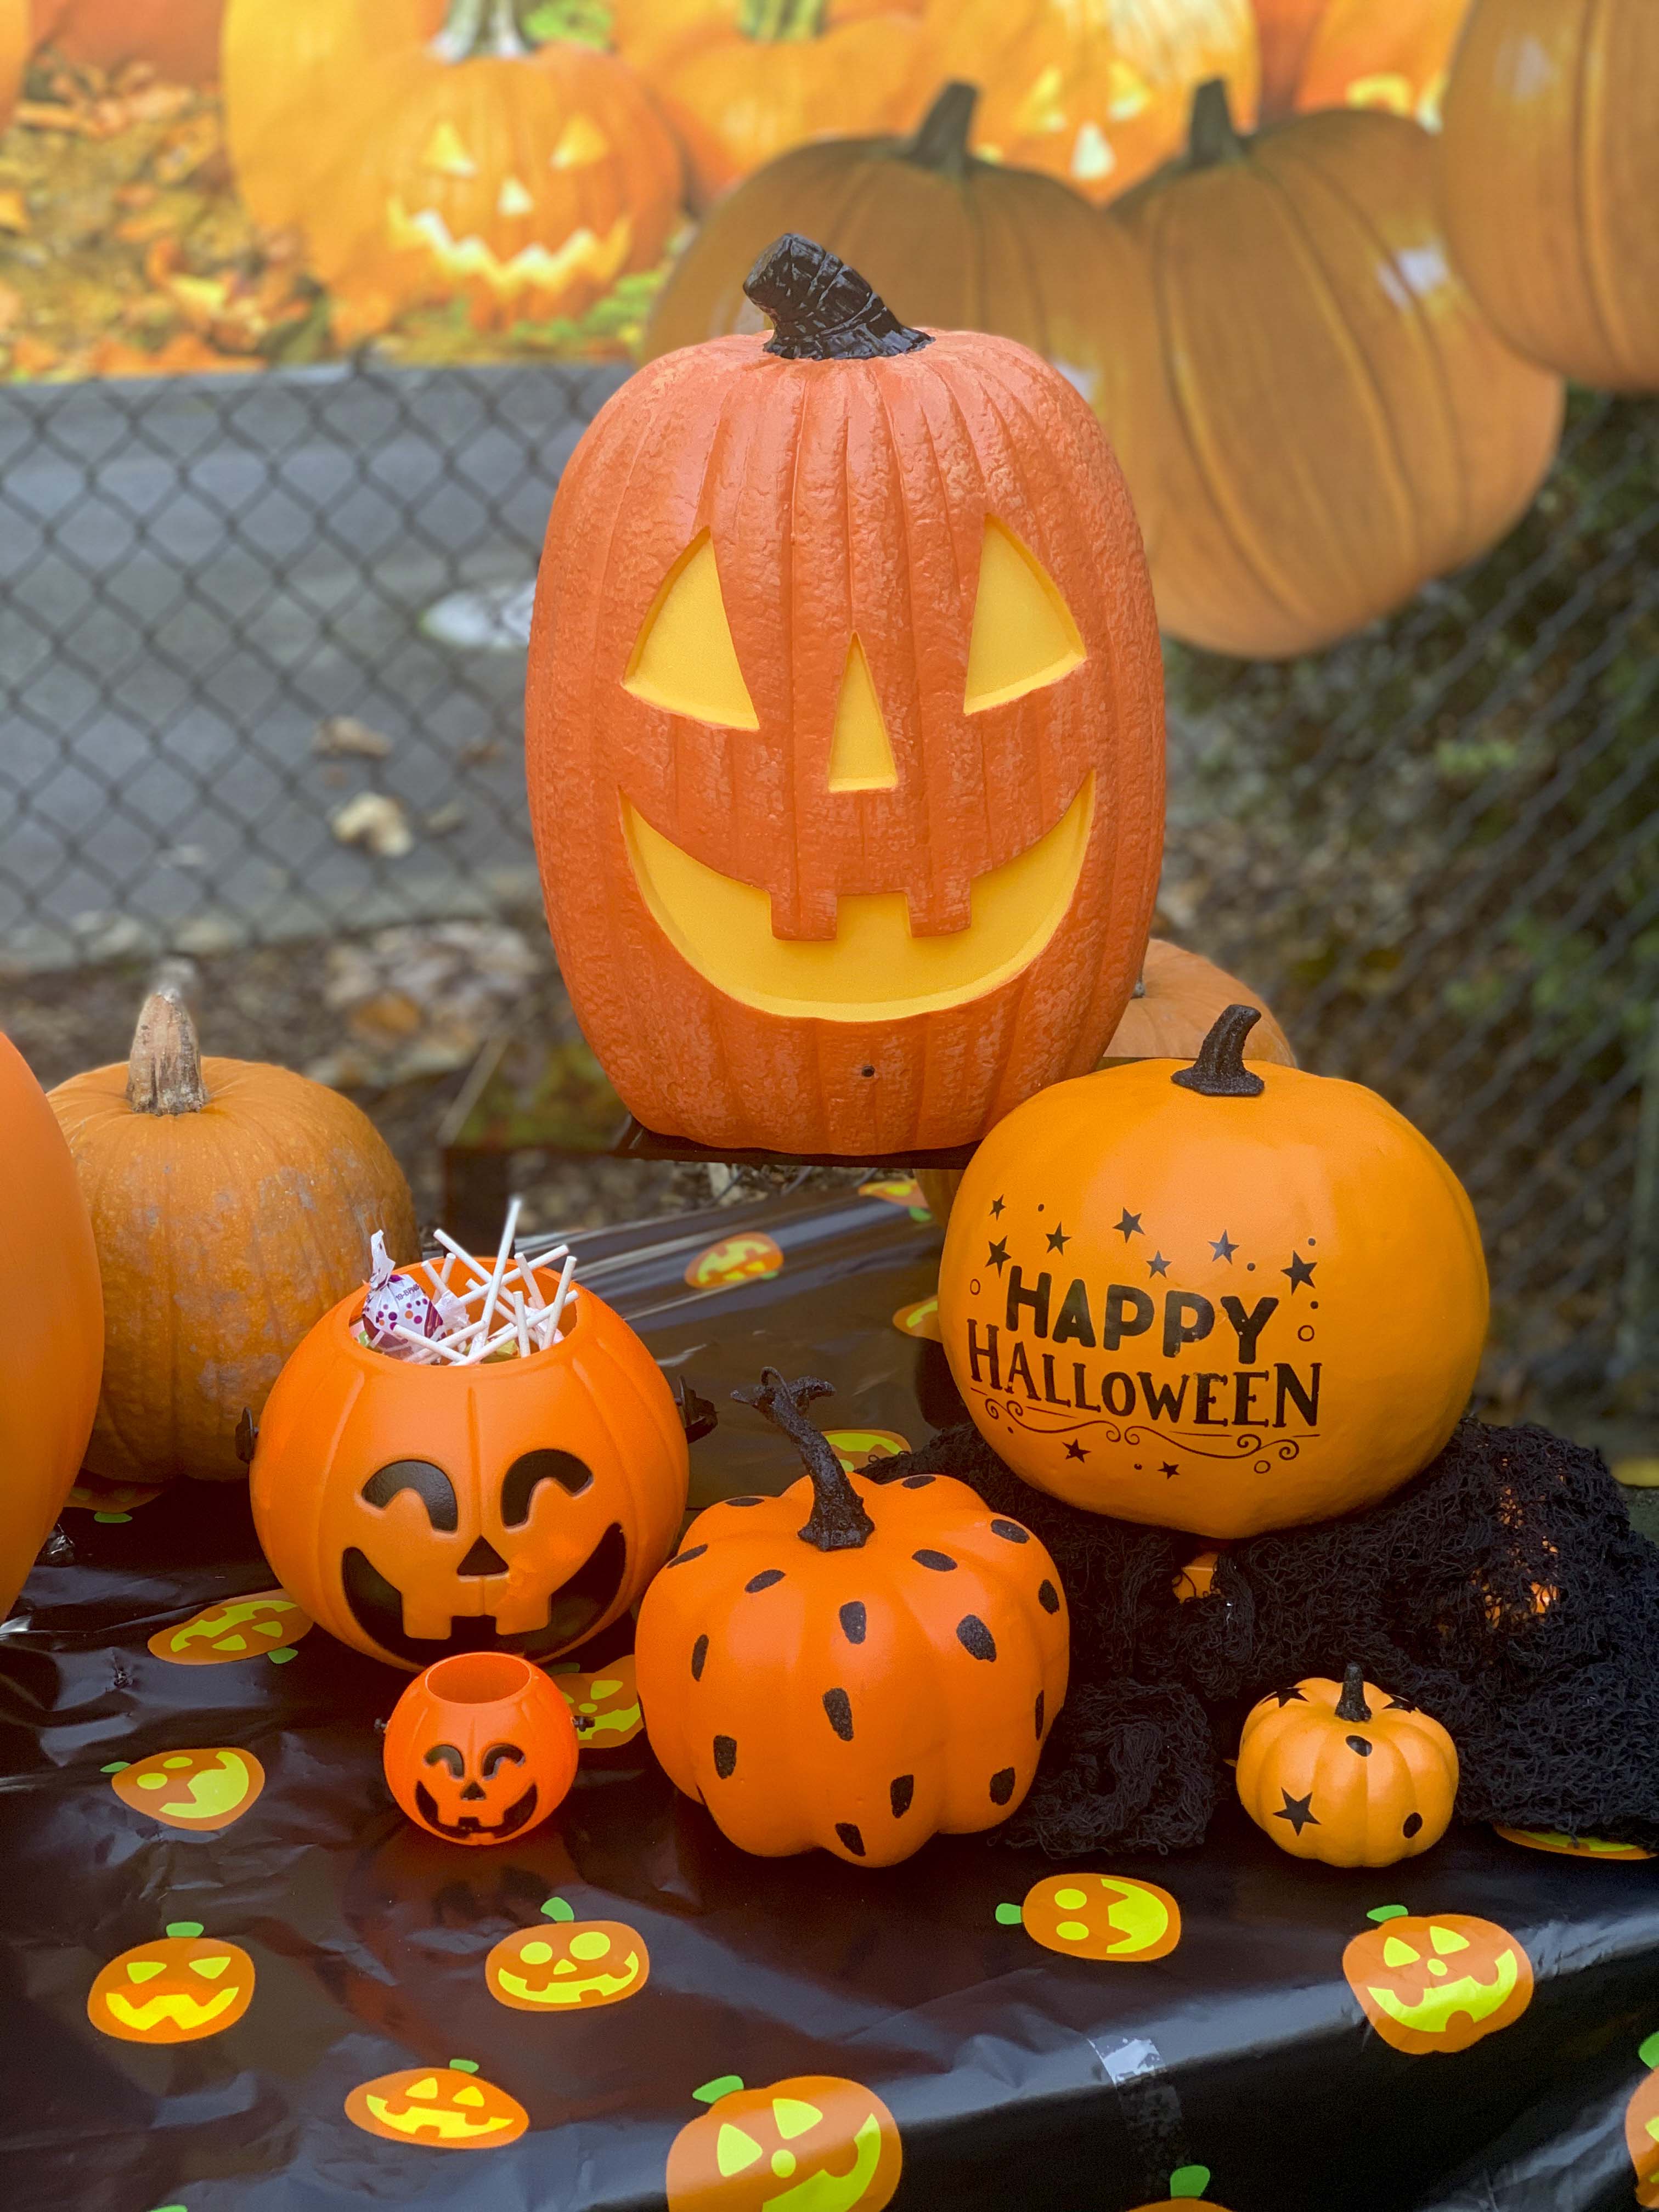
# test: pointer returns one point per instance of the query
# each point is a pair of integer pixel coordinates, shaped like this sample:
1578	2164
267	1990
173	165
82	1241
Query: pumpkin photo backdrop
844	733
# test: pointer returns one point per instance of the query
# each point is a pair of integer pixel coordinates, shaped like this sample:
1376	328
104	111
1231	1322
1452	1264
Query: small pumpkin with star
883	1670
1344	1773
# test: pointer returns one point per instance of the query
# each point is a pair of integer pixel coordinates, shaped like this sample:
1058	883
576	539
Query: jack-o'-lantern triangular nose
483	1560
861	757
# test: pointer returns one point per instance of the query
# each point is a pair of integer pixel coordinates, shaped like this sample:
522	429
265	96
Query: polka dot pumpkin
852	1665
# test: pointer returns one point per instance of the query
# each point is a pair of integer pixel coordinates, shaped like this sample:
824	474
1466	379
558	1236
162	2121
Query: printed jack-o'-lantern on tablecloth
198	1790
1098	1916
265	1625
441	2107
176	1990
568	1966
1343	1772
479	1747
1576	1847
1217	1298
1641	2126
816	2141
844	738
419	1512
1436	1981
882	1669
605	1707
1187	2186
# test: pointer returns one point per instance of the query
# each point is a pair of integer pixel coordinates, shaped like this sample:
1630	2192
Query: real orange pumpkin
815	2132
1220	1297
1343	1772
1549	180
844	730
231	1203
1437	1982
521	180
53	1351
180	39
1332	420
1098	95
1283	28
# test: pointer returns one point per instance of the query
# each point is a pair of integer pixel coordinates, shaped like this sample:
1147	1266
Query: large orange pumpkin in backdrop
179	38
1550	181
51	1353
1333	420
519	1506
844	729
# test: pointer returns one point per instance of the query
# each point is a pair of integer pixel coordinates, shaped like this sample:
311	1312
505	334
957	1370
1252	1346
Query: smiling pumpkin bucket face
844	740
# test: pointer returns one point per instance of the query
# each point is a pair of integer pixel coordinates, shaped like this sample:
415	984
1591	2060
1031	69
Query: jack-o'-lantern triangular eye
734	2151
860	754
684	658
1024	637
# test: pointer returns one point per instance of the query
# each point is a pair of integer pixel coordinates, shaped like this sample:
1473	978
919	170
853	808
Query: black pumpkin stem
940	140
1351	1705
821	310
1219	1071
1212	138
838	1521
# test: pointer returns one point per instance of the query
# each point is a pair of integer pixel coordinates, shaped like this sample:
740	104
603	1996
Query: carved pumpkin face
1641	2126
844	750
190	1789
816	2141
1439	1983
267	1626
568	1966
1098	1916
480	1747
519	1506
176	1991
605	1706
444	2107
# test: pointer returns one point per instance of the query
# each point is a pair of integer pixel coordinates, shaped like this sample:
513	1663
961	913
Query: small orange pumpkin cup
1098	1916
177	1990
195	1790
1437	1982
442	2107
480	1747
817	2139
571	1966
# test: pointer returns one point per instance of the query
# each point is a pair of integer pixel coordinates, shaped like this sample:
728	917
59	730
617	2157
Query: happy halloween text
1221	1398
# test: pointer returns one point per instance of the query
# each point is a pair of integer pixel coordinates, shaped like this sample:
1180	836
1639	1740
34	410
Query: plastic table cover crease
1018	2077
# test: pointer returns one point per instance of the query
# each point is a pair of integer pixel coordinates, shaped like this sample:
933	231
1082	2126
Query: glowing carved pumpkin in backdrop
844	730
1357	54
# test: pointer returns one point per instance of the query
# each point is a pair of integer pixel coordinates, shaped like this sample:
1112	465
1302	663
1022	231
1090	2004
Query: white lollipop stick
518	1319
500	1268
461	1253
426	1344
562	1291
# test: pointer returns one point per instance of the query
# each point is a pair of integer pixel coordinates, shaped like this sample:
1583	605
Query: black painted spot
1401	1706
853	1622
1411	1823
916	1482
696	1552
850	1836
1010	1531
1360	1744
1048	1596
839	1707
725	1755
765	1580
1039	1716
699	1653
975	1637
743	1501
941	1562
900	1791
1002	1786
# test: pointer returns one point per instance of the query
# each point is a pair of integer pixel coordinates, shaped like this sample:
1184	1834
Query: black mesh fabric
1504	1590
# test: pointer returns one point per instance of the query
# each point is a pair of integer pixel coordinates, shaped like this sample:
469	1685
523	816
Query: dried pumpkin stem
1351	1705
164	1069
1219	1071
774	20
838	1521
940	143
821	310
1211	138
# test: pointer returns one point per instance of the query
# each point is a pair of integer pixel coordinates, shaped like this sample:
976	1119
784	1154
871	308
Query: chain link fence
261	652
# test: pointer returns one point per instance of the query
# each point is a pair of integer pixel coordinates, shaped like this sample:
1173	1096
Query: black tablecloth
1017	2077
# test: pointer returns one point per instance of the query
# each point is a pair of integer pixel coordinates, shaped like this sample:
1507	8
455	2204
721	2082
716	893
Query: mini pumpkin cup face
267	1626
203	1790
816	2141
420	1512
479	1748
1343	1772
1437	1983
174	1990
845	755
569	1964
1098	1916
443	2107
1641	2126
855	1666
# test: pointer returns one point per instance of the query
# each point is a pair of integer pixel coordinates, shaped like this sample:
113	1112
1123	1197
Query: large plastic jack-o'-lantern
415	1512
480	1747
844	728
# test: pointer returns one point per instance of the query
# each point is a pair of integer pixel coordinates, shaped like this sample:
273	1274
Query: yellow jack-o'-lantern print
440	2108
567	1965
1098	1916
195	1790
176	1990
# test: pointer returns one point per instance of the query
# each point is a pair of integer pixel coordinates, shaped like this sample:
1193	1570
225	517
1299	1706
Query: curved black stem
940	139
838	1521
1219	1071
1351	1705
821	310
1211	138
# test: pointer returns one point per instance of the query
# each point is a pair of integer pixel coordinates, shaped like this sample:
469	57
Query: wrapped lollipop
395	1302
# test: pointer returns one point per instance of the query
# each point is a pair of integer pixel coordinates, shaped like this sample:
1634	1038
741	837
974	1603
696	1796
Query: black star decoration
1223	1247
1289	1697
997	1205
1075	1451
1058	1240
1129	1225
1168	1466
1158	1265
997	1257
1300	1271
1299	1811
